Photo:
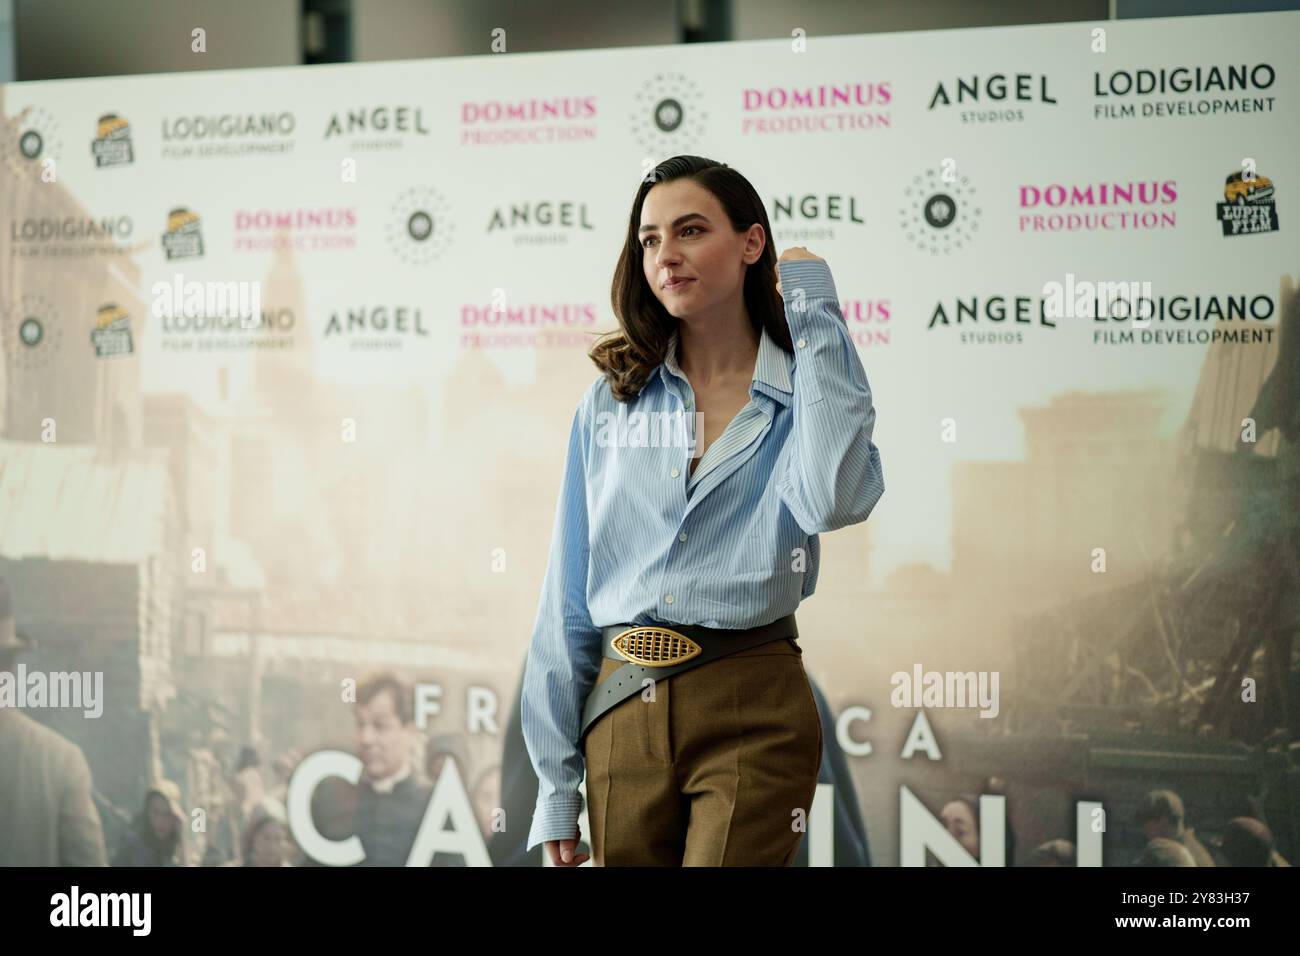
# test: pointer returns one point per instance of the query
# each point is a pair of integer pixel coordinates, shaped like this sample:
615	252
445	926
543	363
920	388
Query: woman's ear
755	244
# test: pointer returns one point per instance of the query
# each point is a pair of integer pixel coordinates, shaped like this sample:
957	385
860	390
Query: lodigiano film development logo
419	227
1249	204
29	333
111	335
37	140
228	136
939	214
183	238
1190	91
112	143
667	115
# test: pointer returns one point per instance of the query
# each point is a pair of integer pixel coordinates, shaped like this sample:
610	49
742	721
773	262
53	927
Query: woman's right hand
559	849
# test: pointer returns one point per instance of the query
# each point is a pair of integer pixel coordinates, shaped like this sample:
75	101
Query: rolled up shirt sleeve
832	477
564	656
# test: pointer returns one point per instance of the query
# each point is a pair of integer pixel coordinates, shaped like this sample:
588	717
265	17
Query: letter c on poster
308	775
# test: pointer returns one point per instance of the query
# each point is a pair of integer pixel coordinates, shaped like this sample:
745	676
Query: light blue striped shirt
639	538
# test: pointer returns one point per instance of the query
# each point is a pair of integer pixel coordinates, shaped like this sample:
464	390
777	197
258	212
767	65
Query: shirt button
802	342
682	536
674	473
668	599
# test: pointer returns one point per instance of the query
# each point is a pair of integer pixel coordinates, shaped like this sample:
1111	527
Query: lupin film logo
183	238
111	335
1249	204
112	143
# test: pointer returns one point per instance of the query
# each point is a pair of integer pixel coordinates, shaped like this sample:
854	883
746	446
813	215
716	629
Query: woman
663	658
158	836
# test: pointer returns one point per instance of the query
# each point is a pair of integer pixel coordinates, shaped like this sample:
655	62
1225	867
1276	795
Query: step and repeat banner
290	358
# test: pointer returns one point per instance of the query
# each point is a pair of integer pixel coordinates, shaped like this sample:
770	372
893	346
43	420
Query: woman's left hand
791	254
798	252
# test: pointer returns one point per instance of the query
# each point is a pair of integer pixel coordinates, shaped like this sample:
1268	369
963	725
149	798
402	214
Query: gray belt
661	650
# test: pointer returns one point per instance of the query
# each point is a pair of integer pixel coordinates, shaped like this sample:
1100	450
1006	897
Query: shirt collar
388	783
772	368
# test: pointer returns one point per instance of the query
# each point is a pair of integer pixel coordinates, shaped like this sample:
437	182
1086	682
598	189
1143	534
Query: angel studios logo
940	213
797	217
378	128
36	141
419	227
29	333
667	115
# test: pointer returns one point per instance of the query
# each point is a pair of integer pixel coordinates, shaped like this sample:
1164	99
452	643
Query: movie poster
289	367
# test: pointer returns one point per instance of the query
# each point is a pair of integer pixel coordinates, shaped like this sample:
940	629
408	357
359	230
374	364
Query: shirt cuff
555	819
811	275
817	328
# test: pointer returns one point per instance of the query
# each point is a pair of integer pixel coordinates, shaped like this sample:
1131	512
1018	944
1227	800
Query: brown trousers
719	770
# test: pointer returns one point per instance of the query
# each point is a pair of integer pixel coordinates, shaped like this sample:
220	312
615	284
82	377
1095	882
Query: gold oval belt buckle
655	646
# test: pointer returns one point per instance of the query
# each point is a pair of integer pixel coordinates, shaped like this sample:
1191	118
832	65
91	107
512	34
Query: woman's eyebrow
650	227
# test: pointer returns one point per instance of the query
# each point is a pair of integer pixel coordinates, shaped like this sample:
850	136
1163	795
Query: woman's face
160	818
685	232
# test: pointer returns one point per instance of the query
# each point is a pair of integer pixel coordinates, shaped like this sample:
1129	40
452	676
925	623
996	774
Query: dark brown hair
374	684
628	357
